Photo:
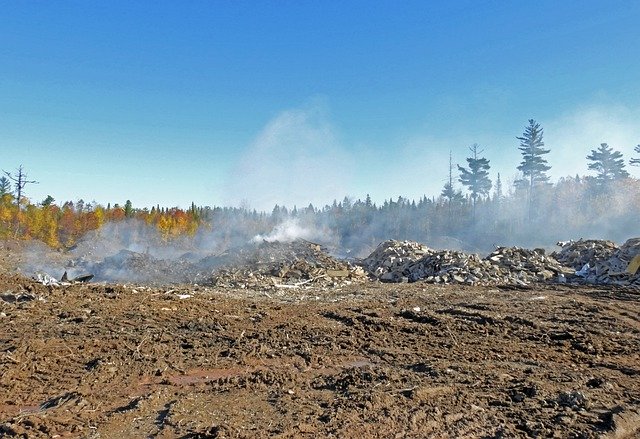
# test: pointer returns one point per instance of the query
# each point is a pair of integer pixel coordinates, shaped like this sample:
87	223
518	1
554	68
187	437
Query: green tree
128	209
476	177
635	161
47	201
533	166
5	186
608	164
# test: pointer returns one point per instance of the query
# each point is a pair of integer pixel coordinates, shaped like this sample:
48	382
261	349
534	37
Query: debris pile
294	264
391	258
602	262
576	254
390	262
281	264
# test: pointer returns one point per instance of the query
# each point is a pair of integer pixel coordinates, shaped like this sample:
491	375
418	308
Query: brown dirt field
363	361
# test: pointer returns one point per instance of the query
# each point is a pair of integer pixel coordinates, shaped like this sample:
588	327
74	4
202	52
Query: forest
472	212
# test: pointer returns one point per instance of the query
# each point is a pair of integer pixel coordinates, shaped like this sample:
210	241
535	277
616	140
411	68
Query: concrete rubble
404	261
391	258
395	261
602	262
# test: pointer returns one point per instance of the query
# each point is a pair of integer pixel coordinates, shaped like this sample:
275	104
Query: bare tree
20	181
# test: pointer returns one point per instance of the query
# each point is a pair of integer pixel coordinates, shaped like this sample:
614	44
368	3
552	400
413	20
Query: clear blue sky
222	102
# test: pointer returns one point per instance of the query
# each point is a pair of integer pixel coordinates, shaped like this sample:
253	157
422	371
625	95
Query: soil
358	361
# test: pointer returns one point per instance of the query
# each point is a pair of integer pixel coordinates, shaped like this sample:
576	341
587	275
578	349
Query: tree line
527	211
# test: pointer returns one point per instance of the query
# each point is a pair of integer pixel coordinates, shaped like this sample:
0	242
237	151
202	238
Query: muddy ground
362	361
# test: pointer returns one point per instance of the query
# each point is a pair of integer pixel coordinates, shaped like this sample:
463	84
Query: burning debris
288	264
275	264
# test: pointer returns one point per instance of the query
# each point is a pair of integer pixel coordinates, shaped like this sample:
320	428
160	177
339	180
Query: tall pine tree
533	166
608	164
476	178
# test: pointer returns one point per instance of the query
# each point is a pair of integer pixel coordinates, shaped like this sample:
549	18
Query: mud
362	361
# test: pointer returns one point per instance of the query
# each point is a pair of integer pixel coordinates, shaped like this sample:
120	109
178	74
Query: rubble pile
614	269
576	254
391	258
448	267
277	263
505	265
527	265
298	263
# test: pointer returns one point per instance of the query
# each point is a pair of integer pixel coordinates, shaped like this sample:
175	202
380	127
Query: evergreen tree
635	161
534	165
608	164
128	209
476	178
5	186
449	192
47	201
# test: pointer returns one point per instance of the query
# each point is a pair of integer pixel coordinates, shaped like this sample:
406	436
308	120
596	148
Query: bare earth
374	360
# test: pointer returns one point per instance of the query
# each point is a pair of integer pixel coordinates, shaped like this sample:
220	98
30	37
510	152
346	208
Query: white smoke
290	230
295	160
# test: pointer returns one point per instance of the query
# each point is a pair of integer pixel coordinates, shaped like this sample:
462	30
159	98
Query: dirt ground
362	361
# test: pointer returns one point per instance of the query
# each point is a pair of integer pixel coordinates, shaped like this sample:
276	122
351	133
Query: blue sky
292	102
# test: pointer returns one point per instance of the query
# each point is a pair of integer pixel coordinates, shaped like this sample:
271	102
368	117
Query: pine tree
635	161
47	201
476	178
608	164
5	186
128	209
533	165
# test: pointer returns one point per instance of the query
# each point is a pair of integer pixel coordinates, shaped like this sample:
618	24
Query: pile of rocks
613	270
448	267
391	258
577	254
390	262
297	263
